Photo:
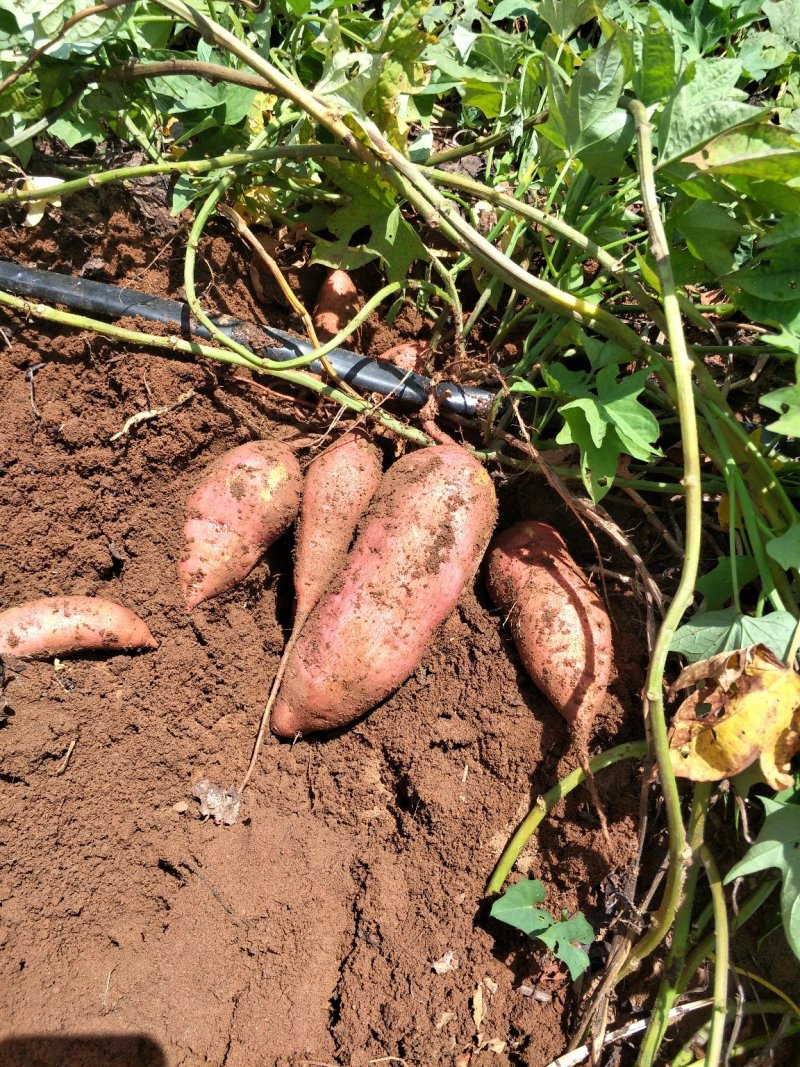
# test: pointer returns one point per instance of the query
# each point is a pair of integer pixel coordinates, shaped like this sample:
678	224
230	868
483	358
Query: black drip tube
115	302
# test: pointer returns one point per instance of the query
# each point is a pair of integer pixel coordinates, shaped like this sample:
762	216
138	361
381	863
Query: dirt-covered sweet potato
419	545
60	625
337	303
337	489
245	500
407	355
560	626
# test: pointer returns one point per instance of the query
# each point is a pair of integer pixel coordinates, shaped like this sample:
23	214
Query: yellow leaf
746	708
36	208
724	511
255	205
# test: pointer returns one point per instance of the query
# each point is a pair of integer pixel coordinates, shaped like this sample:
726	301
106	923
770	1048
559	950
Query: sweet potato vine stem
721	963
545	804
173	344
669	988
654	687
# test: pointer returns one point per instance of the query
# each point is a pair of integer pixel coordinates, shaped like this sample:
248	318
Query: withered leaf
746	708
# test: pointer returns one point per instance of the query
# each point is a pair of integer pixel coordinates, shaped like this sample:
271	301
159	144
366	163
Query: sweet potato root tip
560	626
244	501
337	303
418	546
59	626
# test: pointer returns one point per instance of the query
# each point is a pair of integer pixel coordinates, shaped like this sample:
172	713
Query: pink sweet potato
57	626
407	355
560	626
337	303
245	500
419	545
339	485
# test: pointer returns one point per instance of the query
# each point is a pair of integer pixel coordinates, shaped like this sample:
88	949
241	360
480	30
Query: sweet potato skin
58	626
560	626
338	487
337	302
244	501
407	355
417	548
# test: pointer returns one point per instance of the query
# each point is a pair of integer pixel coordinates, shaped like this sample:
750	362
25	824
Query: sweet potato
339	485
245	500
407	355
560	626
57	626
337	302
419	545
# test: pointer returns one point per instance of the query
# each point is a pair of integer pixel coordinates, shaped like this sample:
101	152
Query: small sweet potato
245	500
57	626
407	355
338	487
337	303
560	626
419	545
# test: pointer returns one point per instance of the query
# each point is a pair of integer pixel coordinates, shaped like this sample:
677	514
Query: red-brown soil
133	932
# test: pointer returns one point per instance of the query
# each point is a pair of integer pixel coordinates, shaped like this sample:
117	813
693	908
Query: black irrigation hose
365	375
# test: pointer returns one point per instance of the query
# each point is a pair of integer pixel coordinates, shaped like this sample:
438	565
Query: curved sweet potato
560	626
418	546
57	626
245	500
338	487
337	302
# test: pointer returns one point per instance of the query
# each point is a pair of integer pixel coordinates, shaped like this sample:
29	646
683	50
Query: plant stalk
654	695
545	804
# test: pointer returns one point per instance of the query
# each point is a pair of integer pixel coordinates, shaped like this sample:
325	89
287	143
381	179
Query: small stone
446	963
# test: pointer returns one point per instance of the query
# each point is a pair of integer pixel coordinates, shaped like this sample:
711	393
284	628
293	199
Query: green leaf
786	402
710	632
785	549
605	424
761	53
706	103
565	16
598	463
749	149
597	131
716	586
767	289
710	234
390	236
778	846
178	93
774	274
657	61
564	940
510	9
784	18
517	907
72	129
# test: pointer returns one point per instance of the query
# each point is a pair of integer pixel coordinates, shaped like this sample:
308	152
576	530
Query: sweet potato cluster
381	560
